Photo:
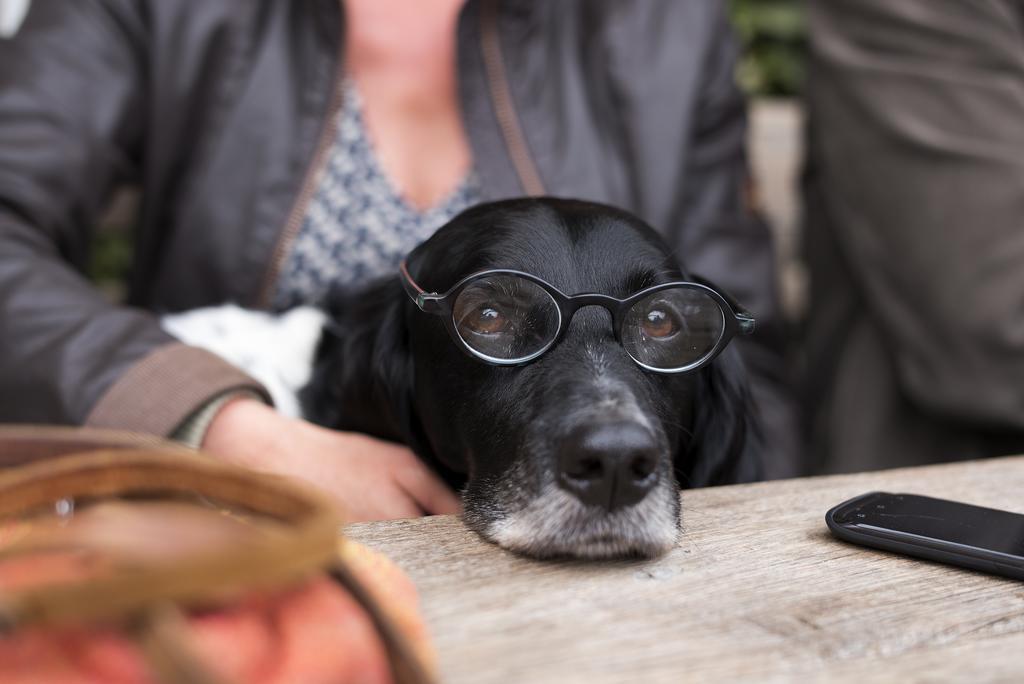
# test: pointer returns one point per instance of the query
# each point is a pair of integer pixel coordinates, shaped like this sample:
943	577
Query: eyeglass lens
673	328
505	317
508	318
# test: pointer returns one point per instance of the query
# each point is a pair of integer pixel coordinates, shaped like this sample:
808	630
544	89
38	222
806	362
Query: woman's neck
401	56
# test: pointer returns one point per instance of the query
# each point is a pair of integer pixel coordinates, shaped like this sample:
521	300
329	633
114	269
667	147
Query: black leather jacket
221	111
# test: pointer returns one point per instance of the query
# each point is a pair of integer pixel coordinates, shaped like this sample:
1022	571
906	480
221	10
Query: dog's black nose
608	464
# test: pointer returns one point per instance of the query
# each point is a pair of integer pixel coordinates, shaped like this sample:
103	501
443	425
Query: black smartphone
973	537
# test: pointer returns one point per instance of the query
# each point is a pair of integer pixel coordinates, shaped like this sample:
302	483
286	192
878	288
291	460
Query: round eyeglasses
508	318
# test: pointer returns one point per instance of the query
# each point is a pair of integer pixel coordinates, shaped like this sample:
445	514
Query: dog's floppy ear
726	445
363	370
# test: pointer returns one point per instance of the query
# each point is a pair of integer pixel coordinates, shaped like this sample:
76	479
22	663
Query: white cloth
275	349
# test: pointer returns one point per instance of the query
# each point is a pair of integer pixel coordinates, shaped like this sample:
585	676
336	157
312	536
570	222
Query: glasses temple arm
426	301
745	319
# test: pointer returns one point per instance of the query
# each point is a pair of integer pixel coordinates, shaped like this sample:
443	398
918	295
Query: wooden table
757	590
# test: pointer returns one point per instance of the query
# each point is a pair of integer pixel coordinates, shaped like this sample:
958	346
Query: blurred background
774	40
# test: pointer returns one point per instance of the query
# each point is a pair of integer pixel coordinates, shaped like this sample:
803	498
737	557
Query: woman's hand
369	478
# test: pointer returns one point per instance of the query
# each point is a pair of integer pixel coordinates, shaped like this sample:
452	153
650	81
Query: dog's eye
659	323
486	319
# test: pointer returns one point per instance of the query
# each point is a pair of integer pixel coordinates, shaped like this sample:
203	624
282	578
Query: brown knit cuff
161	391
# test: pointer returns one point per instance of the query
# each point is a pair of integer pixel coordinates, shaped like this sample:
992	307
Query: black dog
579	450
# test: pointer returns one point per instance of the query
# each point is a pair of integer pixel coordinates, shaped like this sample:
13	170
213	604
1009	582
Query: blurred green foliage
111	257
773	34
111	260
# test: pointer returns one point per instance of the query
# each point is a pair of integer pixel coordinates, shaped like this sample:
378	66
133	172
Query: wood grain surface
757	590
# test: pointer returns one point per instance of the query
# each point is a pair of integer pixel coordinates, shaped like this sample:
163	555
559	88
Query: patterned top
357	226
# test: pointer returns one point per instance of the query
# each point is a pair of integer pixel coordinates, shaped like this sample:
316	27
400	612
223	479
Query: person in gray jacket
915	231
253	127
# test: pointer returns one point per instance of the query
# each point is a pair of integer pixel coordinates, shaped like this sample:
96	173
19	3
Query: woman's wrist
243	429
192	432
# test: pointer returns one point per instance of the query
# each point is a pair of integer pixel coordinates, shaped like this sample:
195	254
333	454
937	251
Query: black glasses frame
736	320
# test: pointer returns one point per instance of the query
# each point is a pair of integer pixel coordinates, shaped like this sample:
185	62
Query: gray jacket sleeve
919	147
66	354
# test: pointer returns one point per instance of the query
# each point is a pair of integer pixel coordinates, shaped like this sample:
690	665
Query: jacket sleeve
72	84
720	235
917	110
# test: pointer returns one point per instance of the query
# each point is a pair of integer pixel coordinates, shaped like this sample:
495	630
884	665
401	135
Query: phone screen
951	521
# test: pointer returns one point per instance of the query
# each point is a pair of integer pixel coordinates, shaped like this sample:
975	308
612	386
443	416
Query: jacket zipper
324	143
504	108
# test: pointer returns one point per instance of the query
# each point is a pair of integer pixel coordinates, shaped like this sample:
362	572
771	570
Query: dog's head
577	452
